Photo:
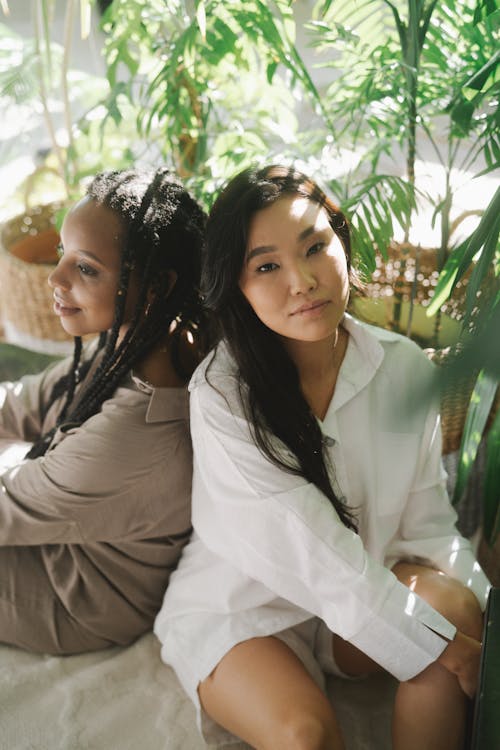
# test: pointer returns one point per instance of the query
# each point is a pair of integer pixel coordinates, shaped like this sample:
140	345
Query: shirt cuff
405	635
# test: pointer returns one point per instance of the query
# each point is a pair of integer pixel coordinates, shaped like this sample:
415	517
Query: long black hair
269	386
162	231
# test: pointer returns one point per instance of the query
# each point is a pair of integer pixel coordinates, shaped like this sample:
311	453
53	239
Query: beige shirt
108	505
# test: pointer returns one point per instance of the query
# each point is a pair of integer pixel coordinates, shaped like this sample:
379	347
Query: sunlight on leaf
85	18
201	17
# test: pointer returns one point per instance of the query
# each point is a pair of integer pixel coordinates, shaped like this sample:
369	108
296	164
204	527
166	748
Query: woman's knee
448	596
305	731
264	678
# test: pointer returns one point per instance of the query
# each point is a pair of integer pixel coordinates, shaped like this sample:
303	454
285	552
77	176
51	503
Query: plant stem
68	35
58	152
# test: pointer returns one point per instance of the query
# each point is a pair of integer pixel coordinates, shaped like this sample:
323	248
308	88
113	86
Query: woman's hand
462	657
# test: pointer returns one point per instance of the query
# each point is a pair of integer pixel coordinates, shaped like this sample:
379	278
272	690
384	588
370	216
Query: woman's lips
312	308
63	310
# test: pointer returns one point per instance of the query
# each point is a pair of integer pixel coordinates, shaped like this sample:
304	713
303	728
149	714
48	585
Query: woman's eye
86	270
316	248
266	267
59	251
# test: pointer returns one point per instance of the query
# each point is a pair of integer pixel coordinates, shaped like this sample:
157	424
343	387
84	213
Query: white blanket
127	699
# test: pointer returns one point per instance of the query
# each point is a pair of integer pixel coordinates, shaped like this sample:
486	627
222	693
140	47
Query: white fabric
126	699
269	550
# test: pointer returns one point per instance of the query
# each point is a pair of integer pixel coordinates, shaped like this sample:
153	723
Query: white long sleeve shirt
269	550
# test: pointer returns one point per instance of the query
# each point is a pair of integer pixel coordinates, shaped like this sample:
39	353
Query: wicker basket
410	272
26	300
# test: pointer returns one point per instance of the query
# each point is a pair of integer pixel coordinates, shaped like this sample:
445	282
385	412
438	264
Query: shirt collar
363	357
165	404
168	405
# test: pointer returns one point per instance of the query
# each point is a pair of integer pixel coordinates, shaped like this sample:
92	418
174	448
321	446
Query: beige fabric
93	529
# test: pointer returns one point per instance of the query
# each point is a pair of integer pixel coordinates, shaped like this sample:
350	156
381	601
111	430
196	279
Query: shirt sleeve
428	517
21	405
100	483
282	531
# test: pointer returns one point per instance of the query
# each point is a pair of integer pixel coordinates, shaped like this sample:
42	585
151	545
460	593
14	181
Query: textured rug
126	699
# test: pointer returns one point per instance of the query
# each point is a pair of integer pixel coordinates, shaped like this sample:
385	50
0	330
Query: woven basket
25	297
410	272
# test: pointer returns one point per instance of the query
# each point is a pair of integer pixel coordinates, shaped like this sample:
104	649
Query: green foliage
18	68
401	73
479	409
213	89
491	504
35	74
484	240
372	205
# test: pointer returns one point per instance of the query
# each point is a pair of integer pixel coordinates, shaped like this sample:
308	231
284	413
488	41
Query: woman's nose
57	279
302	279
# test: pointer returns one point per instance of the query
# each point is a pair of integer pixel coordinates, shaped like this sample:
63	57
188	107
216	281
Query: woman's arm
22	403
107	480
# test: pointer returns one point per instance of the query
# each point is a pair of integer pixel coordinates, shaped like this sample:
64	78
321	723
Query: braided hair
163	232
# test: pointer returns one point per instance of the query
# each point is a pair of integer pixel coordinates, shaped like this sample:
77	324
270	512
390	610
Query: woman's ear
164	285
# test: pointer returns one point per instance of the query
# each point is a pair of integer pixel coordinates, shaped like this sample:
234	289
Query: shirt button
328	441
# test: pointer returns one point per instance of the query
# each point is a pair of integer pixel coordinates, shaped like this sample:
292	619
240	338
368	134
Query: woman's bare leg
430	709
261	692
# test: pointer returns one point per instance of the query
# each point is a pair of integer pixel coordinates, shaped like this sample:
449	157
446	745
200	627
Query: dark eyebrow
93	257
262	249
87	254
306	232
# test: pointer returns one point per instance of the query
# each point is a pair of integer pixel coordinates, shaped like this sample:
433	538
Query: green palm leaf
477	415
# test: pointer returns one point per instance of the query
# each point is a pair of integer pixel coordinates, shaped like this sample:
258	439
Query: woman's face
85	281
295	273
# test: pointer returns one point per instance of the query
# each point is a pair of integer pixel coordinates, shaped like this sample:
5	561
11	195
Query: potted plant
396	69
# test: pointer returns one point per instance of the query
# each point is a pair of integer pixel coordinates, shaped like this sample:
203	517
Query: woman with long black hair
324	540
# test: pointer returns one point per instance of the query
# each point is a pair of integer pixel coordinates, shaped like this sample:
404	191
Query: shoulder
395	349
136	407
216	377
133	434
401	373
218	364
216	394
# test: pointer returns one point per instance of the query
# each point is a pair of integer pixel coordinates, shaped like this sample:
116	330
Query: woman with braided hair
95	452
